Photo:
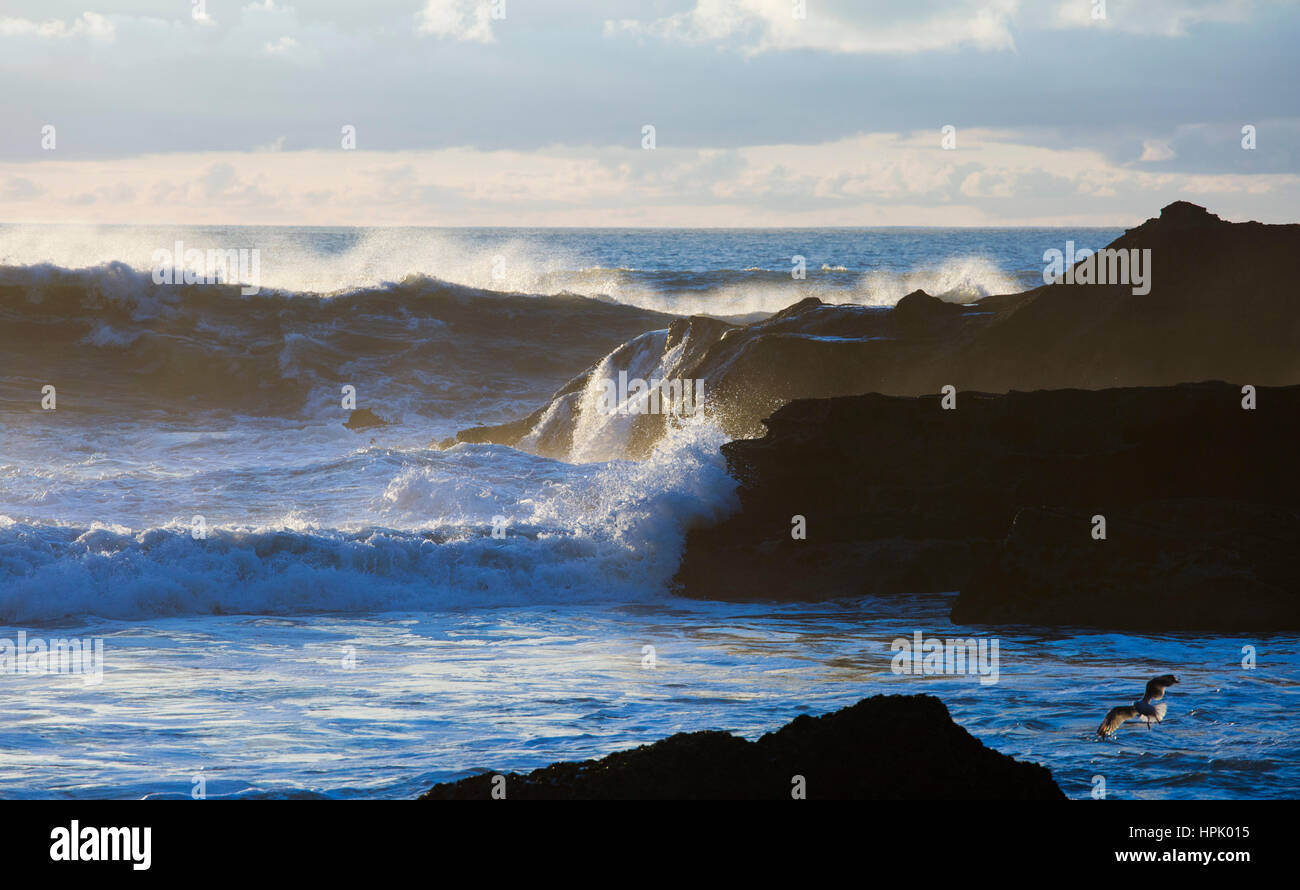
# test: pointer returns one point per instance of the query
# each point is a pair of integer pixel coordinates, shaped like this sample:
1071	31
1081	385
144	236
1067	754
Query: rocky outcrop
883	748
809	348
364	419
996	499
1222	305
1195	565
573	425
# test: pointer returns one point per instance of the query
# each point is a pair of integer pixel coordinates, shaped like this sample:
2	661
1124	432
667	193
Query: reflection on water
271	706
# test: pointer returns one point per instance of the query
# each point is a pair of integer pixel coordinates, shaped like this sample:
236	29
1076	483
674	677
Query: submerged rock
888	747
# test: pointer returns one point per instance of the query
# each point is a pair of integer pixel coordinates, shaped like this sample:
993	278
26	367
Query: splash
608	532
958	280
341	261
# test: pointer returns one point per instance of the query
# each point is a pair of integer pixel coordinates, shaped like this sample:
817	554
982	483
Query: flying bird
1142	709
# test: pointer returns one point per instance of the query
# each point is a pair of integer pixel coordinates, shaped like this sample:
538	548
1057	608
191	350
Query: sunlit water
388	704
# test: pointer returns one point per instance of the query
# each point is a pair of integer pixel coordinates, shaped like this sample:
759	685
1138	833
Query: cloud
993	178
890	27
282	47
88	24
762	116
1169	18
18	188
551	76
467	20
1156	150
837	26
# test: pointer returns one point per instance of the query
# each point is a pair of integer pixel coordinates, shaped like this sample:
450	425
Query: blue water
712	271
225	654
264	706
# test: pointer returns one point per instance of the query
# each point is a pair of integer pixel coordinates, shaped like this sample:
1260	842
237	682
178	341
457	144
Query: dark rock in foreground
889	747
996	498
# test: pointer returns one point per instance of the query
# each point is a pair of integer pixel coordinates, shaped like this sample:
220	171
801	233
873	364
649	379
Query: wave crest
597	533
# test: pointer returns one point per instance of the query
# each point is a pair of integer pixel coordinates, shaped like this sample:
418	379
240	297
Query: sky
535	112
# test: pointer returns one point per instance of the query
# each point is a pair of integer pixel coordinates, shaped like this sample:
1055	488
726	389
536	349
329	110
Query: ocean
288	607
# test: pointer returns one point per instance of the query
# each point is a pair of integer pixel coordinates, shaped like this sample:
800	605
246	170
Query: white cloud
88	24
868	179
887	26
864	26
1156	150
469	20
1164	17
282	47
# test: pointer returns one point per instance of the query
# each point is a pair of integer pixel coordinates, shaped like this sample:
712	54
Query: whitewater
348	625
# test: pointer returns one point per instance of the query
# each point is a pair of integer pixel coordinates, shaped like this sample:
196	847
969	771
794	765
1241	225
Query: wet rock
1221	306
995	499
888	747
1189	565
364	418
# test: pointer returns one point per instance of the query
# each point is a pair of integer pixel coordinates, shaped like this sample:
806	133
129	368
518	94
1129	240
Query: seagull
1142	709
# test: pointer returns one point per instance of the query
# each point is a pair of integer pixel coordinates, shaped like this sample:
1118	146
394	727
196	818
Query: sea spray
598	532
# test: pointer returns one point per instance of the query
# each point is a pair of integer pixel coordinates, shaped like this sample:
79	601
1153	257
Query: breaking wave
610	532
112	332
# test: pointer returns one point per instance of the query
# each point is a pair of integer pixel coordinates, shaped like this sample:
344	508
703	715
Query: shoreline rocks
996	499
887	747
1193	565
1221	306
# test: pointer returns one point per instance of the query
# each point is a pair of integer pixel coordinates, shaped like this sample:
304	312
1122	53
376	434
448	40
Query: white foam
384	256
590	533
960	279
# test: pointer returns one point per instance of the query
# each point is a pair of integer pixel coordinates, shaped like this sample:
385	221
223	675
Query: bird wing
1114	718
1156	686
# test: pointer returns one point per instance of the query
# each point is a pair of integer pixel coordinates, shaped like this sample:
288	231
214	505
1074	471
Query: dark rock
1185	213
364	418
1221	306
1211	565
889	747
919	310
995	499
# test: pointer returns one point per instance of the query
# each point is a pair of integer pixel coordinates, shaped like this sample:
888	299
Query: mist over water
473	650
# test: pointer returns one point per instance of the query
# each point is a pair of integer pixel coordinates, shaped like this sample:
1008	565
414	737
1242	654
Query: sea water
342	621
